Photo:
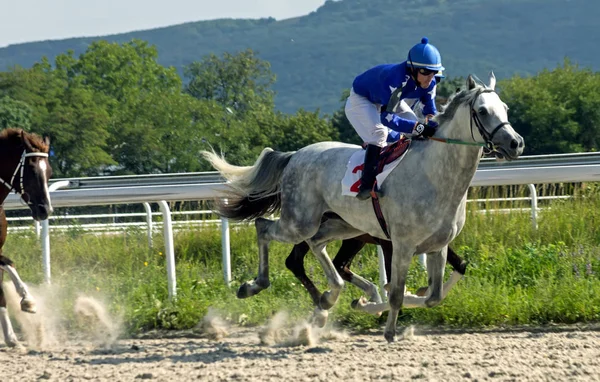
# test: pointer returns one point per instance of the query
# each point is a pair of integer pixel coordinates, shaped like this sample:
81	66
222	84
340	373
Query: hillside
316	56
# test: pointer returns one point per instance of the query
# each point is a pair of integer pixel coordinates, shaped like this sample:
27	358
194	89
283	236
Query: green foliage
14	113
557	110
241	82
116	110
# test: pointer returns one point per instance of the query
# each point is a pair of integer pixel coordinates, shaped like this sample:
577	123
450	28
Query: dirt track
559	353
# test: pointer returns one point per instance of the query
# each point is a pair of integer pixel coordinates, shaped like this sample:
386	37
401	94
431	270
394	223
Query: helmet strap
413	71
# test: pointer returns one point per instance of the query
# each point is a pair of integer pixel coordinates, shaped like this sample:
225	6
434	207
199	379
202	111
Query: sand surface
272	354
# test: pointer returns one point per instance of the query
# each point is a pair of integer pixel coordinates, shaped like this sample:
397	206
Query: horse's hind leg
282	230
10	339
27	301
342	262
295	263
458	265
333	229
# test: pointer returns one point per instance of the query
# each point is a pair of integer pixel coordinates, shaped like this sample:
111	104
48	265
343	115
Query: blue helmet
425	55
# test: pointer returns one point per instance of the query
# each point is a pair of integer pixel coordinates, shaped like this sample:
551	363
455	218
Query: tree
556	111
241	82
14	113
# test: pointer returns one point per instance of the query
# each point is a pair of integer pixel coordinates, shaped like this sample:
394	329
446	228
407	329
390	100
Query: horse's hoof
422	291
28	305
11	342
250	288
245	291
324	302
462	268
389	336
319	318
359	303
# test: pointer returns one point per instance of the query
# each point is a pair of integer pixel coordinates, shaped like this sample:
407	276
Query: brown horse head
26	170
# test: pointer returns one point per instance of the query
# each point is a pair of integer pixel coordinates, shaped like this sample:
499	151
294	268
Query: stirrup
368	193
364	194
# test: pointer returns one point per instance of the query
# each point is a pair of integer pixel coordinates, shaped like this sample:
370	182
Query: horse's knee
396	297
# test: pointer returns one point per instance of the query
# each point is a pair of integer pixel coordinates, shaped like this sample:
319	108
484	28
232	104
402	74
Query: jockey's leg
369	172
364	116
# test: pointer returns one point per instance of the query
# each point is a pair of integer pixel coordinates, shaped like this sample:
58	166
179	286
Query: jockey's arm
396	123
428	101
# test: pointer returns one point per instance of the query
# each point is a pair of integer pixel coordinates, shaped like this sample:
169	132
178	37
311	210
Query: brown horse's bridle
21	166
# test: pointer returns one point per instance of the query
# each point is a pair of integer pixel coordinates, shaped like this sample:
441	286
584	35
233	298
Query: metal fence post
149	222
46	234
382	275
226	249
534	207
169	249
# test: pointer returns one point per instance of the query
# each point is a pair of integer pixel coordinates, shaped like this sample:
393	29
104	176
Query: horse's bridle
21	166
489	145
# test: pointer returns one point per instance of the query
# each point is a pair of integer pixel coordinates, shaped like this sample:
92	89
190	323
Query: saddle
388	155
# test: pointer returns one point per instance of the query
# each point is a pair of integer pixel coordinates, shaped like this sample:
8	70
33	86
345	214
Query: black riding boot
369	172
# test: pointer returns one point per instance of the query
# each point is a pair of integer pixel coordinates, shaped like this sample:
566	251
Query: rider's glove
423	130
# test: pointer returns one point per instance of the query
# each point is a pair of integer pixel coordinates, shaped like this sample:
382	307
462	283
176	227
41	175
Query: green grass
517	275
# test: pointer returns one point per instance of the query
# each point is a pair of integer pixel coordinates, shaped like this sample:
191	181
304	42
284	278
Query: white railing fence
567	168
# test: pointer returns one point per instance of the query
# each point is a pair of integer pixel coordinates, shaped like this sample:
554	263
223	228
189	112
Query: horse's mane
13	134
456	100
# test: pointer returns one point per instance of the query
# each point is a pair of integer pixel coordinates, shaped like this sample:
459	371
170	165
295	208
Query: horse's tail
255	190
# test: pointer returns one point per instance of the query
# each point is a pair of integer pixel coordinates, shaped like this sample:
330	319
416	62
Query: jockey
379	100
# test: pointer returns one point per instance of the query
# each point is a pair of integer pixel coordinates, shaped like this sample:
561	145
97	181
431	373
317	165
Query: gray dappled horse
424	199
25	170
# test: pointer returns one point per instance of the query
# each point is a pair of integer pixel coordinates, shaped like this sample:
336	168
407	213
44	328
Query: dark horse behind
25	170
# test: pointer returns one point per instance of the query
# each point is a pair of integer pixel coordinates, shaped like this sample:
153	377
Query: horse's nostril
514	144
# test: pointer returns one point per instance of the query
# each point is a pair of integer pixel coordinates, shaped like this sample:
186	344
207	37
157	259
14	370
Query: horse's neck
3	193
9	159
454	164
459	127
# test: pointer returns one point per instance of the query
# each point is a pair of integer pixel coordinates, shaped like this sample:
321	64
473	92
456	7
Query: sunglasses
427	72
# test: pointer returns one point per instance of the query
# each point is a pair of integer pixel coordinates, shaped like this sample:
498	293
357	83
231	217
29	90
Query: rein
457	142
21	166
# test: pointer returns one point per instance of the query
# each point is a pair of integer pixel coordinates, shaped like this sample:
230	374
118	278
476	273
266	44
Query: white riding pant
364	116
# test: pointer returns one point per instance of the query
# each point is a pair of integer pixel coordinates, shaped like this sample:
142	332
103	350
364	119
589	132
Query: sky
35	20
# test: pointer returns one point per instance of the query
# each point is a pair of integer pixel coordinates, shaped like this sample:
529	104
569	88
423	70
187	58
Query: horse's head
29	170
35	175
490	115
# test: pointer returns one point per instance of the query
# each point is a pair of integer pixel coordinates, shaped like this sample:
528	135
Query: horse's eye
482	111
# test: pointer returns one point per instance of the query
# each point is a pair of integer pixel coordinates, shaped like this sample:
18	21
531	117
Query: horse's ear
471	84
492	84
25	141
46	140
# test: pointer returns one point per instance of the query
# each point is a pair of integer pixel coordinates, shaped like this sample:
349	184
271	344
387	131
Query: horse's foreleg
401	258
10	339
436	264
27	301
